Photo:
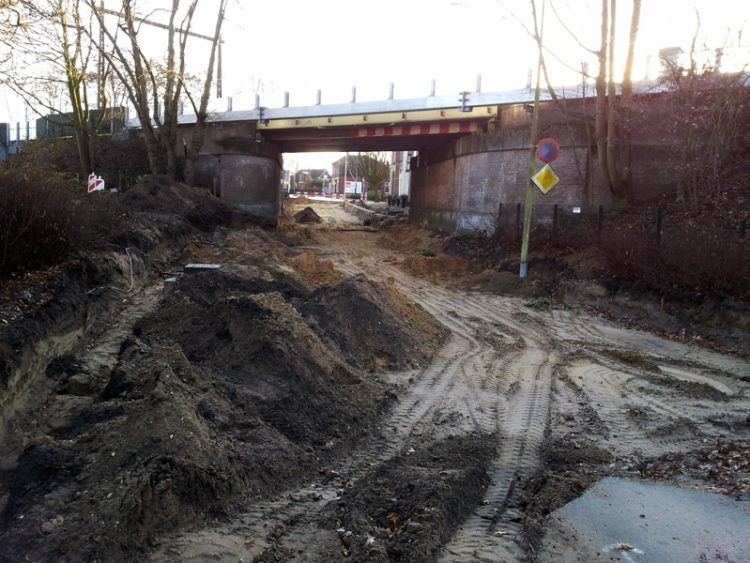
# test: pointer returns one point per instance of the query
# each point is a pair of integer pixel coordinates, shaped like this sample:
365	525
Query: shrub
49	157
427	251
121	162
540	304
38	223
717	264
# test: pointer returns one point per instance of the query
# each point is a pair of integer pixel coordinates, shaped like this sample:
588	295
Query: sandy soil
417	422
557	398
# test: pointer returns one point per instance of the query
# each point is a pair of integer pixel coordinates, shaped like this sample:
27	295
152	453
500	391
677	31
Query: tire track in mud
401	432
617	406
493	532
589	331
290	520
494	376
454	380
623	394
467	377
675	424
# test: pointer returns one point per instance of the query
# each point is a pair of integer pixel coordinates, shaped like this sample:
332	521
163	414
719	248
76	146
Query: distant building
286	183
323	179
400	172
317	179
100	121
344	181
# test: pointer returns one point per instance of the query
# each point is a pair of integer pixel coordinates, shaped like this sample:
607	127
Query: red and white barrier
95	183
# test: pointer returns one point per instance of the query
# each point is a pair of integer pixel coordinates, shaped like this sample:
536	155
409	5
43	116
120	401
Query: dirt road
519	411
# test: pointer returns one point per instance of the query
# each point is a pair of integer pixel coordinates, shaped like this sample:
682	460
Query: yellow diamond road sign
545	179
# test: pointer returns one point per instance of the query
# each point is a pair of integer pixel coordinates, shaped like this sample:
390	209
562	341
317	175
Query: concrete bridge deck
391	124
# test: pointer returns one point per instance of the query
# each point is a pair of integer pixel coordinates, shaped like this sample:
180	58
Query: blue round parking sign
548	149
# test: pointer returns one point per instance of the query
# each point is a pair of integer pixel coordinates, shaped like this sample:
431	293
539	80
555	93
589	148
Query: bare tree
135	73
11	20
174	83
712	117
611	115
374	168
196	140
51	66
148	82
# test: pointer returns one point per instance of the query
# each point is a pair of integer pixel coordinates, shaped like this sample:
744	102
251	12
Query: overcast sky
332	45
301	46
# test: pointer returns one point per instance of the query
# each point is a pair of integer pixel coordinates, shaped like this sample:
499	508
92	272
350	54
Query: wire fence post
659	219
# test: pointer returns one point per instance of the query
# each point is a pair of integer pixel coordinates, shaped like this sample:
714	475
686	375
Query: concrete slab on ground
623	520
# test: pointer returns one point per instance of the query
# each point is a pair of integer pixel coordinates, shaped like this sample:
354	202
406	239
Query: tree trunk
169	127
600	109
152	151
626	100
617	185
74	81
83	144
201	115
612	115
140	100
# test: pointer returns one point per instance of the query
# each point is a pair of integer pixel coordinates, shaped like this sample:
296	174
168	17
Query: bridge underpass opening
336	142
244	163
354	139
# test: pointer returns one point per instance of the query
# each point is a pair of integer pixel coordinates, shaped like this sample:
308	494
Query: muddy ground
332	392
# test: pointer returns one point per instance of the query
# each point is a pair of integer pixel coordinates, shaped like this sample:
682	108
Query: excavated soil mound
373	325
319	271
223	392
442	266
202	210
307	215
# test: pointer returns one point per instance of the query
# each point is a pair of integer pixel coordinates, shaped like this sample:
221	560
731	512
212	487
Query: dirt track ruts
496	375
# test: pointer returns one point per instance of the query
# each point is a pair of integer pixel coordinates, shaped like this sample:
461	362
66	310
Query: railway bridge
241	155
473	151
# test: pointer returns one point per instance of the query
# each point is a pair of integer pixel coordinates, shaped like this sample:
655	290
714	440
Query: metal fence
652	222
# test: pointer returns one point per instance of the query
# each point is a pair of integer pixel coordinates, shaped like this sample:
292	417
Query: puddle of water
640	521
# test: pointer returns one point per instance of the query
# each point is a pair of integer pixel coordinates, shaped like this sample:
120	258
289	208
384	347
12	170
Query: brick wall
246	181
462	185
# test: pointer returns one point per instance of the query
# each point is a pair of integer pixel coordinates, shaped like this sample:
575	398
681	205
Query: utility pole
533	138
218	70
346	171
